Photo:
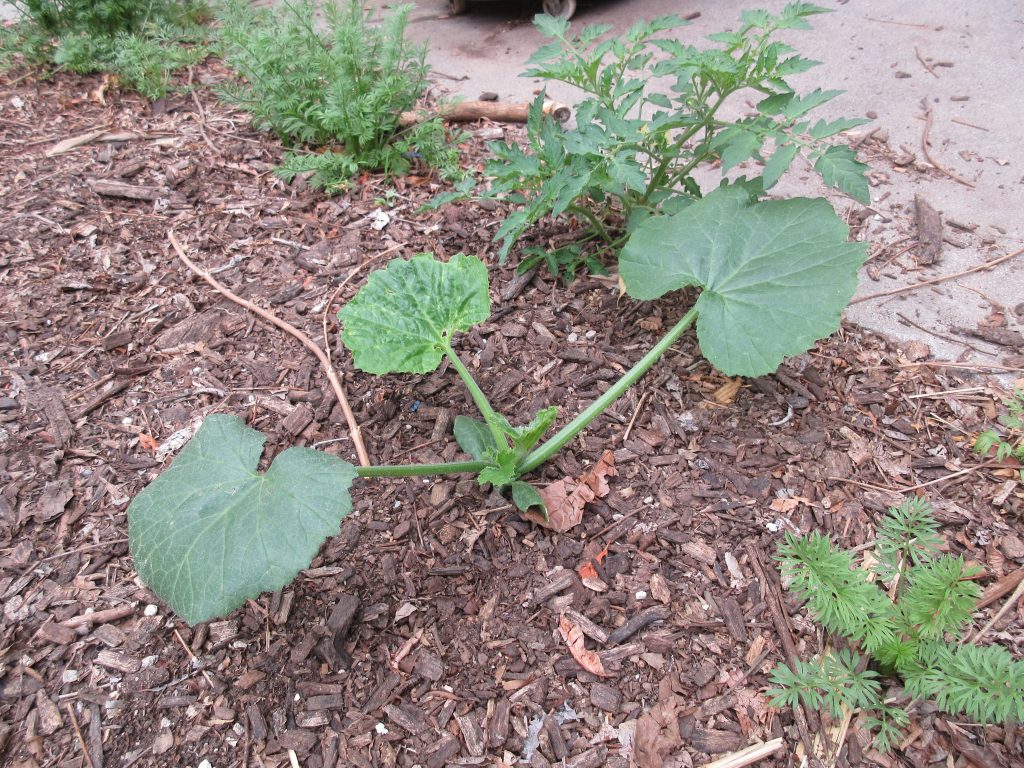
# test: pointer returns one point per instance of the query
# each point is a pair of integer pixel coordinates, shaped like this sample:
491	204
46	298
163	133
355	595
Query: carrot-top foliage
912	637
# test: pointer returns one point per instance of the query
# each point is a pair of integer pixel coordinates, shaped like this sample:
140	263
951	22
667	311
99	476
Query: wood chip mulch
427	632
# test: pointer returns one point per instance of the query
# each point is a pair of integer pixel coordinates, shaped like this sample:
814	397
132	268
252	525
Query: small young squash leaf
211	532
475	438
776	275
524	438
527	498
502	472
402	320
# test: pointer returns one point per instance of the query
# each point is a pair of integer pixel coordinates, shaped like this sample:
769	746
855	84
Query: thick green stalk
548	449
415	470
489	414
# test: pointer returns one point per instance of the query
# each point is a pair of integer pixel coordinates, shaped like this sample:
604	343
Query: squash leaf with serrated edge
211	532
403	319
775	275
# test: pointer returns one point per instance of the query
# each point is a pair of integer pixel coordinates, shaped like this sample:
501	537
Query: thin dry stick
946	364
747	756
78	733
343	283
928	154
339	392
958	121
941	279
928	67
636	412
930	332
919	486
999	614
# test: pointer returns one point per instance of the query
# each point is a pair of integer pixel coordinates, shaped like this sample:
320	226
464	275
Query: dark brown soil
109	346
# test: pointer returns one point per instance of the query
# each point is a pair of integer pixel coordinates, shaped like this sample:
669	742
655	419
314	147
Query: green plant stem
659	177
416	470
599	228
489	414
549	448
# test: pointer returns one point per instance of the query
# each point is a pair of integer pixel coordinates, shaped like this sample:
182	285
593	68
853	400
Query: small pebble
205	764
151	610
149	661
381	728
591	334
69	676
641	595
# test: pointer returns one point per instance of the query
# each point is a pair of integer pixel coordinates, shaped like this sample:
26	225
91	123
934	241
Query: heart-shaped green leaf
776	275
211	532
402	319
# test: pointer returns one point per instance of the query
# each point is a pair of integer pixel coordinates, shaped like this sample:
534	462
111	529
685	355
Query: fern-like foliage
934	600
984	683
907	536
940	597
344	89
888	726
839	596
143	43
833	683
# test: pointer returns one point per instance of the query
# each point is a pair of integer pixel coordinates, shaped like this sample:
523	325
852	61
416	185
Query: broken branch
469	111
339	392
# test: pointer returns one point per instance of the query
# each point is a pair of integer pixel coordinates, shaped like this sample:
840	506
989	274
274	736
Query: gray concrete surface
871	49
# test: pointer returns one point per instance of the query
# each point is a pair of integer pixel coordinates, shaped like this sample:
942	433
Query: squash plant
211	532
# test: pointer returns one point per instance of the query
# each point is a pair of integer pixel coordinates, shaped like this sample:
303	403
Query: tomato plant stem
414	470
548	449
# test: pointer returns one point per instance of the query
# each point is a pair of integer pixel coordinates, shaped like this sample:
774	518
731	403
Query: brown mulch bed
452	656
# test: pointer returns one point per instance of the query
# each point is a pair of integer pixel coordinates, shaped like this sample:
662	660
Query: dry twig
924	145
999	614
78	734
928	67
941	279
339	392
748	755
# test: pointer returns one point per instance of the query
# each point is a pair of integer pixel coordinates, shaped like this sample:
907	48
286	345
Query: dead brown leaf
726	393
566	498
657	731
148	443
573	637
587	570
785	506
751	712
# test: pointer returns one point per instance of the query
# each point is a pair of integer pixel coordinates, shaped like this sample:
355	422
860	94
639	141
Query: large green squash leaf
211	532
776	274
402	319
